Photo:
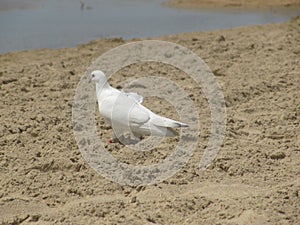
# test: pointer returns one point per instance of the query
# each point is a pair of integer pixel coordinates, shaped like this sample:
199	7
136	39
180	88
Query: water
63	23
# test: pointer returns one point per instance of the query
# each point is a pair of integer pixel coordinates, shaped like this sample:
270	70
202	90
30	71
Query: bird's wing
124	110
138	116
165	122
135	96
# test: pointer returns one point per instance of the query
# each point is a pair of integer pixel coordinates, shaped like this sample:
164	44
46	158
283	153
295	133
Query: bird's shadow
129	139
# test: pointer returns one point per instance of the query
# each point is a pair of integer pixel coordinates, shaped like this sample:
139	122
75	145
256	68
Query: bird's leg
112	141
114	138
138	137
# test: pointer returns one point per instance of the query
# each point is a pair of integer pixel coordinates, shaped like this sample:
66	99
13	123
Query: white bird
124	111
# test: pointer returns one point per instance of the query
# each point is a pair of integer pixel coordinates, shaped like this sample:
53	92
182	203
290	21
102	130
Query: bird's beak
91	79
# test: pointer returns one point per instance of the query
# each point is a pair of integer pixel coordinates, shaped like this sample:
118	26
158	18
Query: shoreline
124	40
230	4
233	17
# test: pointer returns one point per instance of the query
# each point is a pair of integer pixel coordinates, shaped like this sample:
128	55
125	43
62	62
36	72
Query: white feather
125	110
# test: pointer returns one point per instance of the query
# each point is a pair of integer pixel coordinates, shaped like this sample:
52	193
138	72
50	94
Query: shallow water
64	23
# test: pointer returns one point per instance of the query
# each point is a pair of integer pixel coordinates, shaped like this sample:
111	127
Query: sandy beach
254	4
254	179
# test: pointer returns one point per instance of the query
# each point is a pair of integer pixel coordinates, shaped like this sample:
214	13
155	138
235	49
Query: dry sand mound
254	179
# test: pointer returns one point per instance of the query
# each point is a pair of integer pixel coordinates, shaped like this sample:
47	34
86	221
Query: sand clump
254	179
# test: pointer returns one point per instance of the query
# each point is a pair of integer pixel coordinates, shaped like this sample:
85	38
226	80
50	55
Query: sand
10	5
254	179
254	4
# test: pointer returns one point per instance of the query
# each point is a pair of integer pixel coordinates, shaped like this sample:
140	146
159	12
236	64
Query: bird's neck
100	88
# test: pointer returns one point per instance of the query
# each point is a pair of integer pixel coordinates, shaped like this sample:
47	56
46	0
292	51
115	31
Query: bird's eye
93	75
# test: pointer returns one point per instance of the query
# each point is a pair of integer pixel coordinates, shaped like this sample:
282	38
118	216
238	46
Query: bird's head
98	77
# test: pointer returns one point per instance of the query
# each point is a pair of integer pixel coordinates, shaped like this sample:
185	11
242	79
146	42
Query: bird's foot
114	141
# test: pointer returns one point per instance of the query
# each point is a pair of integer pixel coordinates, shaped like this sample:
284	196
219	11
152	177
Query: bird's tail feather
166	122
154	130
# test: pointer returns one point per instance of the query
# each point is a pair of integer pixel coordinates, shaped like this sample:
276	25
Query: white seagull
125	112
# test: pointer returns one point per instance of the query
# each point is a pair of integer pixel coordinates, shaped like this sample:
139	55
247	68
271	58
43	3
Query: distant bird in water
81	5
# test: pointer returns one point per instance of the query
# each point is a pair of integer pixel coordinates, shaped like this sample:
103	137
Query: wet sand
7	6
254	179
